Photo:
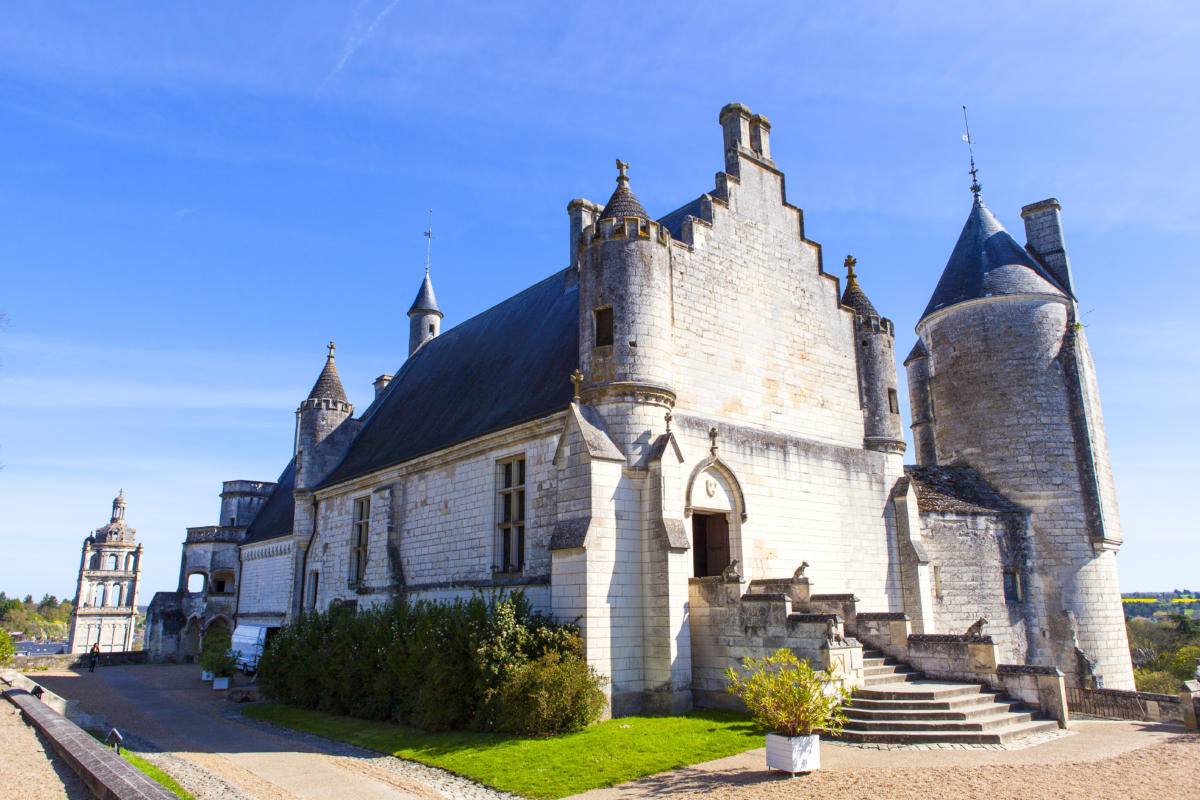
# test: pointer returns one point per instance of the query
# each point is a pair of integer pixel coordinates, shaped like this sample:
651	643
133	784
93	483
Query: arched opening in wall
197	582
94	562
112	562
116	594
222	583
101	595
716	510
129	563
218	624
189	638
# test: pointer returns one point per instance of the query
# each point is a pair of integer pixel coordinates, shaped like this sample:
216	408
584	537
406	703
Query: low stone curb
105	773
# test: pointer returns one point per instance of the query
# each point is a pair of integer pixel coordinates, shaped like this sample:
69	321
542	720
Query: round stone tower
625	349
424	318
876	356
317	417
1002	381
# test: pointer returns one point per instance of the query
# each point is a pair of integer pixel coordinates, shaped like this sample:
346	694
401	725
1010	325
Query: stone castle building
110	569
694	402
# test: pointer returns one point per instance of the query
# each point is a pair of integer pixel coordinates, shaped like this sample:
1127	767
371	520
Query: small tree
215	655
6	648
785	694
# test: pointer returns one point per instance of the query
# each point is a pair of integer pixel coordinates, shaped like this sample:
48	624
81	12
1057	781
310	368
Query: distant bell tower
110	570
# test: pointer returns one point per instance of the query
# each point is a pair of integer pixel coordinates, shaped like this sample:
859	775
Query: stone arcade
658	440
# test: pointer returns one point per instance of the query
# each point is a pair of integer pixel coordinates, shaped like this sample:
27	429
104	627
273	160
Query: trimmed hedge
436	666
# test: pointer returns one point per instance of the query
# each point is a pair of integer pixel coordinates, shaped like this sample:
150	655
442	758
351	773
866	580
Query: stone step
916	689
887	678
997	736
885	669
958	703
995	722
919	711
872	653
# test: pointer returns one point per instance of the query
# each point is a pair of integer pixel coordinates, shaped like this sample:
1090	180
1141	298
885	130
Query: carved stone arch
715	463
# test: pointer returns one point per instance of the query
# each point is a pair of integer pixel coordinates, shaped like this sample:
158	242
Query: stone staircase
898	706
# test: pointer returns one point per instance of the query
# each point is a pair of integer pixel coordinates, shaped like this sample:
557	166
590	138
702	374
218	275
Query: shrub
438	666
557	693
784	694
215	655
1158	681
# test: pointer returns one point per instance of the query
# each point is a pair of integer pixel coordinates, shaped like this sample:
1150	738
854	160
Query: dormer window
604	326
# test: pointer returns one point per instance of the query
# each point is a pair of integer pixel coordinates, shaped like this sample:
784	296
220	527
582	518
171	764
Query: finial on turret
667	417
576	381
428	241
849	265
622	178
331	347
975	187
712	437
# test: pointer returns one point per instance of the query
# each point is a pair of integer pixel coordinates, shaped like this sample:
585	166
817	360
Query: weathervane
428	241
975	187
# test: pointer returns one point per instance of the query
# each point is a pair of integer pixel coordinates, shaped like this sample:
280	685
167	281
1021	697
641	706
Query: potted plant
216	659
787	696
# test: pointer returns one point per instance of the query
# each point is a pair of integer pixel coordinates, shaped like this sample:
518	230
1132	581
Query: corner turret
625	349
424	318
325	409
877	382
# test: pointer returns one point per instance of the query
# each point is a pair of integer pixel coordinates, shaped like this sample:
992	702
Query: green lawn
603	755
153	772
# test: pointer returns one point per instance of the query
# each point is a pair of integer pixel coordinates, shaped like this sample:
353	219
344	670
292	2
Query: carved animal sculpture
731	572
976	629
799	573
831	632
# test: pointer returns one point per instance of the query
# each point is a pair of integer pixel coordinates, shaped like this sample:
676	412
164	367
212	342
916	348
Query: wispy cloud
355	40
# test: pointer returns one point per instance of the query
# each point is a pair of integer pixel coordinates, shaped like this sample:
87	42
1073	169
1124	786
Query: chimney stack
1043	236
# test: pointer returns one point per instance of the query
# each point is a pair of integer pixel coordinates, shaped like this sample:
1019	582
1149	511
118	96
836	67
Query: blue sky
194	198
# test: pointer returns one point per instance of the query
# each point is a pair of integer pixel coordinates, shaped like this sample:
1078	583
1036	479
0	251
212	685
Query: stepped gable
506	366
986	262
276	516
956	490
425	300
328	385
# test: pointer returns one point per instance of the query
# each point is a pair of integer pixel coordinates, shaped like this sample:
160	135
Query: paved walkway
215	756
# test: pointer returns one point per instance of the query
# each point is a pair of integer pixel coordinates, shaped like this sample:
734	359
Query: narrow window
1012	587
431	330
604	326
937	581
313	581
893	401
358	540
512	515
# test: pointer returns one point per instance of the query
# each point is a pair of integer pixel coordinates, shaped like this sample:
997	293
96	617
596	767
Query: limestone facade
110	568
664	440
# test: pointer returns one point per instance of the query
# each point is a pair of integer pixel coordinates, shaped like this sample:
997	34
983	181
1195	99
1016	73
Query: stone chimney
582	213
380	384
1043	236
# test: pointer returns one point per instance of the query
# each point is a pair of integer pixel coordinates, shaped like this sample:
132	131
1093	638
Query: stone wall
1124	704
266	580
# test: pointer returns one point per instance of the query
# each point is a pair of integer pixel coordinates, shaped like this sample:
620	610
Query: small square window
604	326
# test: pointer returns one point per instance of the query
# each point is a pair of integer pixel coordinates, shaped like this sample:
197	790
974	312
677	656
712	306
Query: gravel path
1102	761
201	740
29	769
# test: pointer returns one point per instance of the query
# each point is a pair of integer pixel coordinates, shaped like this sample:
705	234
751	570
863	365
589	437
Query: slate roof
622	204
275	517
986	262
956	490
328	385
918	351
855	298
425	300
508	365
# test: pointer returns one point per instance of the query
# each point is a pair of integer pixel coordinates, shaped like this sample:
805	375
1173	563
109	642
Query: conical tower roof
854	297
623	203
988	262
329	385
425	300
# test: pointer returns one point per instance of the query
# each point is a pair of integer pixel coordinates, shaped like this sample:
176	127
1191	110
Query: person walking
94	656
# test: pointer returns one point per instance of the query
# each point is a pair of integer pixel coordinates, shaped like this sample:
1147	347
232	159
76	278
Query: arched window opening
112	562
196	582
116	594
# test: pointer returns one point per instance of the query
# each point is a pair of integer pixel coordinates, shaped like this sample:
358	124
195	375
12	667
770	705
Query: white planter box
794	753
220	683
205	675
